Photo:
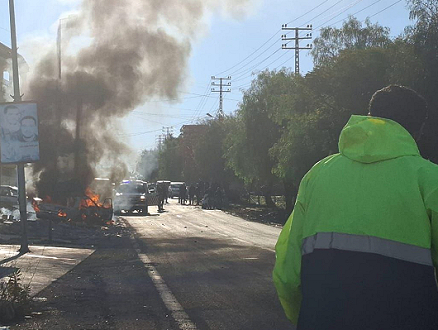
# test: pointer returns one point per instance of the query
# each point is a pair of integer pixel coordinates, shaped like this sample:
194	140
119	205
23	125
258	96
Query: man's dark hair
401	104
9	107
28	117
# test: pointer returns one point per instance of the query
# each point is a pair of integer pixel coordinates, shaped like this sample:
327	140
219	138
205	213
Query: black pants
355	290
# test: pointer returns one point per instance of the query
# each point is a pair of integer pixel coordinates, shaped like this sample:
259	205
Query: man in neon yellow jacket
360	247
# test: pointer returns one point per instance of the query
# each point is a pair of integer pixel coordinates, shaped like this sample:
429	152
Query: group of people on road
209	196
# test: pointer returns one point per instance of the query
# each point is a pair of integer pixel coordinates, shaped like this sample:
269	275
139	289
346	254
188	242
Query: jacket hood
372	139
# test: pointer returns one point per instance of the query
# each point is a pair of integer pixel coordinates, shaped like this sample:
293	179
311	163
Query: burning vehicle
75	206
133	196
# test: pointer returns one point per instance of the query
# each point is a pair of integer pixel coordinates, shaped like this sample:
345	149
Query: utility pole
160	140
220	112
167	131
24	248
297	39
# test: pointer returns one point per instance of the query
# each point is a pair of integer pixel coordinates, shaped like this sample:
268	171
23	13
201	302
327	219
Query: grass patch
15	300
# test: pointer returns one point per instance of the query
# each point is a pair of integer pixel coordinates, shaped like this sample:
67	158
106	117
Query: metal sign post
17	98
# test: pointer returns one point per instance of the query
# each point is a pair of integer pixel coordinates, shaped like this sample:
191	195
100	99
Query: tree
317	106
352	35
209	154
170	160
253	133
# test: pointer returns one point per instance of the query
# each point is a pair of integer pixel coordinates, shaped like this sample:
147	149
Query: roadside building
6	86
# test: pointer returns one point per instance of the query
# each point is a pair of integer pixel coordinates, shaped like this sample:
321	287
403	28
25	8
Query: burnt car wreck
72	203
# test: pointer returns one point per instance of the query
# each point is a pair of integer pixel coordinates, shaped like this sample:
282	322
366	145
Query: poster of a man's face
28	129
12	115
19	132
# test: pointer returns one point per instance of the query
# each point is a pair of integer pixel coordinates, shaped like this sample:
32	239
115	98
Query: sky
231	41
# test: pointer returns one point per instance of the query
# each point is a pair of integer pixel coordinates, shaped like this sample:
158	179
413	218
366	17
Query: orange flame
92	200
62	214
35	206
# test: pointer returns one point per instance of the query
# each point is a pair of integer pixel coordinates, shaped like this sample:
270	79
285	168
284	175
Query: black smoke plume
137	49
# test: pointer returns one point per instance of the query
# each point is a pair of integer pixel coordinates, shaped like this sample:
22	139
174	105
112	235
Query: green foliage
254	130
287	122
208	154
352	35
319	106
14	298
170	160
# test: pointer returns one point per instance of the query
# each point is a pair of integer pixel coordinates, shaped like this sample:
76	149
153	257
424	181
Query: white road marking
174	307
47	257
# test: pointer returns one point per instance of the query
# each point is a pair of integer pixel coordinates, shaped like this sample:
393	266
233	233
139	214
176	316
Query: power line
248	70
313	18
236	72
308	11
241	72
242	78
339	12
386	8
357	12
253	67
318	28
273	36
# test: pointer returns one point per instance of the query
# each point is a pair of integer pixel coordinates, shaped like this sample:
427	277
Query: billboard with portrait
19	132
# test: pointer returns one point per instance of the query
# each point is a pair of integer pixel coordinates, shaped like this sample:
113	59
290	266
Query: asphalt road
184	269
212	270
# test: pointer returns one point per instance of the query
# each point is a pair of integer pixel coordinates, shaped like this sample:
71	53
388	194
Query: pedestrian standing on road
360	247
161	190
183	194
166	192
207	201
192	194
198	194
218	198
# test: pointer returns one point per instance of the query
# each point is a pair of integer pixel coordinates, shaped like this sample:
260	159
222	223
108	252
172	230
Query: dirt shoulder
263	214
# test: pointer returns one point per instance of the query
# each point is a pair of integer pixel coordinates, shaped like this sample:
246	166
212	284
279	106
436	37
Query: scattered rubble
263	214
62	233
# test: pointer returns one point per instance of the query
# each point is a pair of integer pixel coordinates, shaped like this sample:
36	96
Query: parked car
174	189
133	196
8	196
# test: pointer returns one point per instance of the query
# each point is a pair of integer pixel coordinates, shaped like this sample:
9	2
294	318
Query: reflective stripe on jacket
378	195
